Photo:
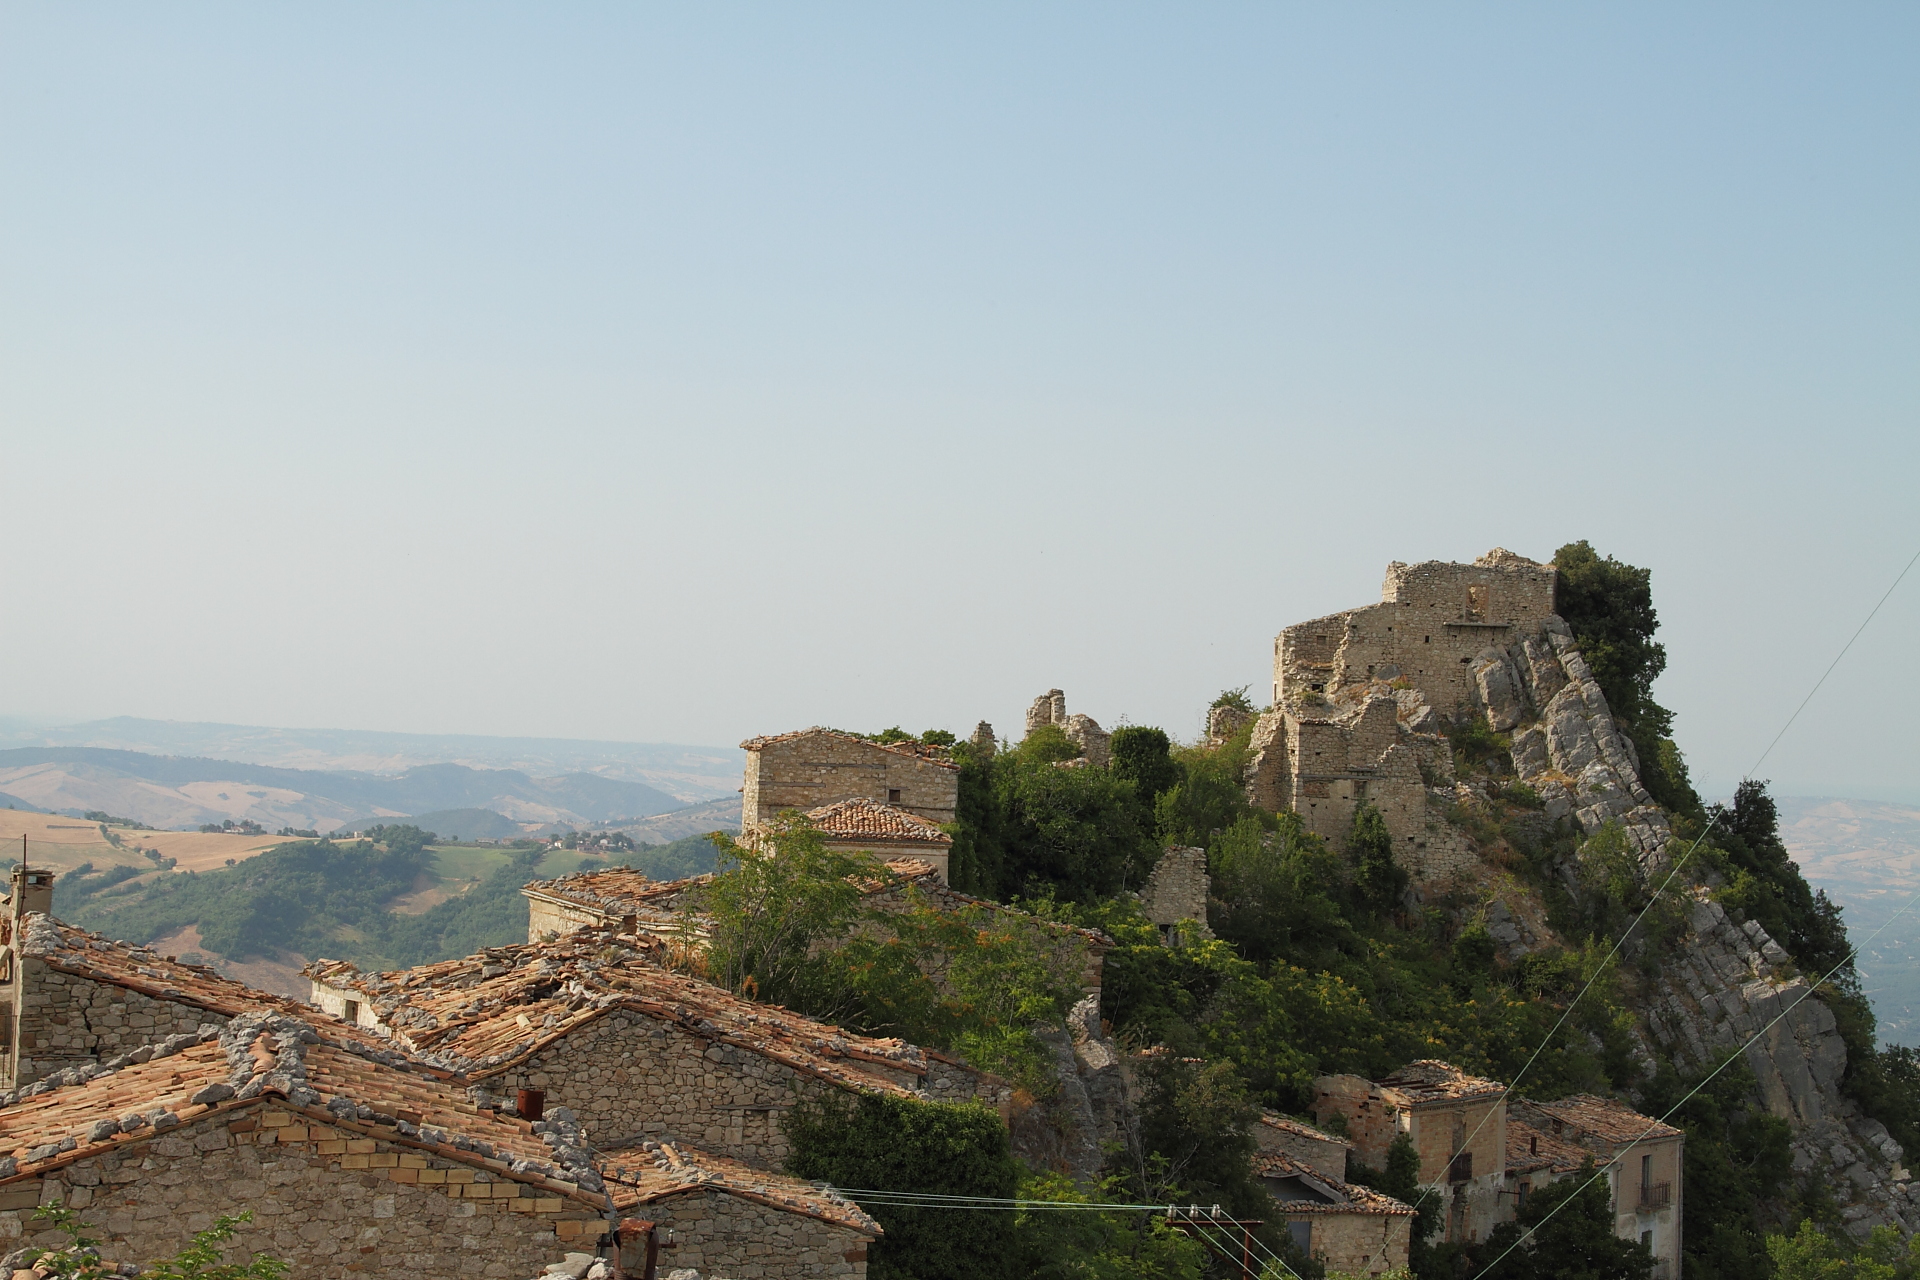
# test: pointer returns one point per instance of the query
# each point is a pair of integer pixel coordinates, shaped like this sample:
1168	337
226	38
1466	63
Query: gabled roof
262	1056
617	891
913	750
1530	1149
481	1014
1300	1129
1344	1197
642	1175
1430	1080
863	819
1610	1121
141	969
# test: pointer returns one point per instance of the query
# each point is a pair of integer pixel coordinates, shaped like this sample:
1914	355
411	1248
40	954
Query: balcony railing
1656	1196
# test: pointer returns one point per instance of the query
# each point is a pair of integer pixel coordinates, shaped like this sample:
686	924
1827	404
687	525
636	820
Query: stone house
347	1164
1349	1229
1321	1152
886	832
1537	1159
1458	1126
724	1218
635	1050
618	899
1643	1158
813	768
69	998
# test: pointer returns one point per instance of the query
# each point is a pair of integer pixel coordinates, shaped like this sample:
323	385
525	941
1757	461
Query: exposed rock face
1728	985
1093	1108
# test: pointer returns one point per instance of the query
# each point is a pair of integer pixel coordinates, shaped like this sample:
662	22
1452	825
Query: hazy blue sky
685	372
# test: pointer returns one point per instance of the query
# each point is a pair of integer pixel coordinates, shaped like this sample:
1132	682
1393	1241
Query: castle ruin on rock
1362	697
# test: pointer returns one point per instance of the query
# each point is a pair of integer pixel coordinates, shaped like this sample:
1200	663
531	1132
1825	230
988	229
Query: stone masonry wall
62	1020
725	1235
1176	890
547	917
326	1201
1358	1244
815	769
628	1076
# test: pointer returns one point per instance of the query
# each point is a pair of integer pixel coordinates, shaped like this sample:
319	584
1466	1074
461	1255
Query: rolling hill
187	791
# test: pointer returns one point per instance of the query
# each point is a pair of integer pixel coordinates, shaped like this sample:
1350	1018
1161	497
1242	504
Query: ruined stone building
1350	1229
813	768
1644	1160
1458	1126
1176	893
1360	698
1050	708
1482	1152
635	1050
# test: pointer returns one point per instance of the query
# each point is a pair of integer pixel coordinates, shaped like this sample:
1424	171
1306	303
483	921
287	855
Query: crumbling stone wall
325	1200
628	1076
1095	743
727	1235
1176	891
820	767
1432	618
62	1020
1357	1244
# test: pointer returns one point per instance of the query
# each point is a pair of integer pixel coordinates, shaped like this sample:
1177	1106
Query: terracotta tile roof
483	1013
863	819
122	964
1287	1124
641	1175
1612	1122
1351	1197
1530	1149
261	1056
1430	1080
915	750
618	891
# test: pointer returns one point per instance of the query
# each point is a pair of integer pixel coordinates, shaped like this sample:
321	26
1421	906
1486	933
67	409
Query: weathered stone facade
1322	1152
62	1020
814	767
1458	1125
1431	620
629	1077
1176	893
1645	1163
323	1199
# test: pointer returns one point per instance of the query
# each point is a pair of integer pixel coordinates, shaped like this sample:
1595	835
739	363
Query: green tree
903	1144
1609	607
1565	1231
1144	756
771	901
200	1260
1378	880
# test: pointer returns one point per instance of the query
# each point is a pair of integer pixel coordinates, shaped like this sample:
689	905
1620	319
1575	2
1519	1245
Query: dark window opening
352	1013
1460	1168
893	795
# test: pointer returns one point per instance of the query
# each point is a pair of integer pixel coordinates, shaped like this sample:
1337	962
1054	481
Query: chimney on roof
32	891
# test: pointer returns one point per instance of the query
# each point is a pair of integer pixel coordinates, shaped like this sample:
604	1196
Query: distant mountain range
691	773
185	791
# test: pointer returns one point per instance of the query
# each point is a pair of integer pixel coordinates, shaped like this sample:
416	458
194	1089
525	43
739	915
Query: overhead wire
1656	896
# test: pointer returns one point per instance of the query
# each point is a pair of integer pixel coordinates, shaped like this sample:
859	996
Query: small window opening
352	1013
893	795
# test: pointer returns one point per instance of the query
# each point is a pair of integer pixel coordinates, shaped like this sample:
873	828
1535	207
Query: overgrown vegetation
203	1259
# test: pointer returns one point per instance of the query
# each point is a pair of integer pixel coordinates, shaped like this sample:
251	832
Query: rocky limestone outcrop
1733	983
1092	1109
1565	744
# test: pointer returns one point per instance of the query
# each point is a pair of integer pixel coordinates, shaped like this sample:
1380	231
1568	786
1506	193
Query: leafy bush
904	1144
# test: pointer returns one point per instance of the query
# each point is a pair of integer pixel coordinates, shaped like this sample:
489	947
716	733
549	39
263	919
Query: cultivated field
65	843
